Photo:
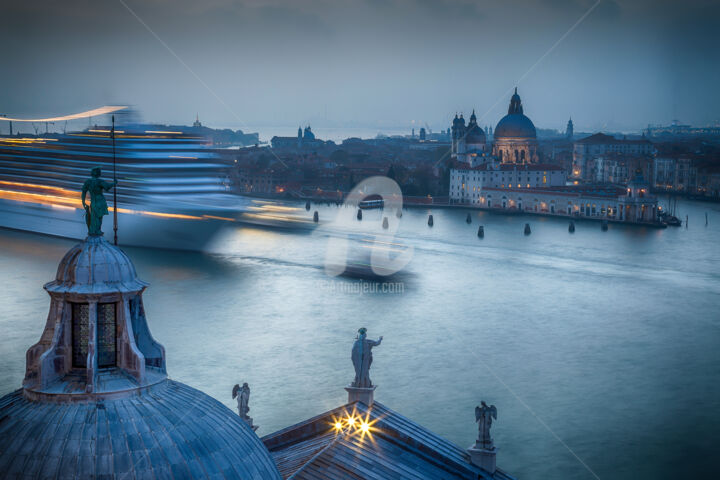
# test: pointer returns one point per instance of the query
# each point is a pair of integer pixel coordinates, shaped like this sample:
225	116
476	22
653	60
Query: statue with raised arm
94	212
484	416
362	359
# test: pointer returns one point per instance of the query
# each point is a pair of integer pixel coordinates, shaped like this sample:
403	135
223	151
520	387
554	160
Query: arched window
106	338
522	156
106	335
80	329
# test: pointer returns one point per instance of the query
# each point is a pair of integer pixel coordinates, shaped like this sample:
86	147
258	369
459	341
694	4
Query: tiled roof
169	432
396	447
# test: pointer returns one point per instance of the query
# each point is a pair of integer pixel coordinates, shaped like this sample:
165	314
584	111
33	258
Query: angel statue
98	206
243	399
484	416
362	359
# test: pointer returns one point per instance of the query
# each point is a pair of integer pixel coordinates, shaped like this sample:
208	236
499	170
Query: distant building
196	123
675	129
586	150
305	139
569	131
469	144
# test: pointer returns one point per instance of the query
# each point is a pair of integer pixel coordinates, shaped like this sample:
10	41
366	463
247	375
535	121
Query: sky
611	65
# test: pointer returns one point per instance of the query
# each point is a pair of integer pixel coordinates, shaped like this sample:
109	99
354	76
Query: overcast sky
367	63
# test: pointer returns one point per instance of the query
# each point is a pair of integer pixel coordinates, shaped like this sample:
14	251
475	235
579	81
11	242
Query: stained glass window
80	327
106	335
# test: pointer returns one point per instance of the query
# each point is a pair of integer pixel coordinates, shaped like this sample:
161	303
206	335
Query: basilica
514	138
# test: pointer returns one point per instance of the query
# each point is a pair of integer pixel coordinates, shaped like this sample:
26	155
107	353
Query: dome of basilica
515	124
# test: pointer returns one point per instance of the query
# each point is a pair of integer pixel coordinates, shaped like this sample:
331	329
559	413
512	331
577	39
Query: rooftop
392	447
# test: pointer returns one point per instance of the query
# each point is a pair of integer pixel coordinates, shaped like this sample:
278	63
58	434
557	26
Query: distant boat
368	204
670	220
173	189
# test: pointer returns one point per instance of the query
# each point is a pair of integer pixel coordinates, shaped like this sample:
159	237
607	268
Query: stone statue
362	359
98	206
484	416
243	399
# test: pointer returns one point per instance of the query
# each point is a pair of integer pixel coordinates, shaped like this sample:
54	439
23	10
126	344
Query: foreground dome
96	401
169	431
95	266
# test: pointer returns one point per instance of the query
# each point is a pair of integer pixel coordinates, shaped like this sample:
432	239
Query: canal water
601	350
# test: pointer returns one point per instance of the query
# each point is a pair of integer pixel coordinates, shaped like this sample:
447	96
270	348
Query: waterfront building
467	183
587	149
96	401
632	203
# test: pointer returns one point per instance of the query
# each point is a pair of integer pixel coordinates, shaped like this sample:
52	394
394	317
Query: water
603	343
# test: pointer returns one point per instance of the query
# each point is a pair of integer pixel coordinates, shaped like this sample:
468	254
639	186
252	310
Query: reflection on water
611	338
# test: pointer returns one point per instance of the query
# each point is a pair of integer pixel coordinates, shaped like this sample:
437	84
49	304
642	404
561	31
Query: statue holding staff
98	208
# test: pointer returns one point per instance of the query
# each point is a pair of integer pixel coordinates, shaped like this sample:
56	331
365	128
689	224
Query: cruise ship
173	188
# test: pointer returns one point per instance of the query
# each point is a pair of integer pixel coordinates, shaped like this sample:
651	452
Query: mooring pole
115	226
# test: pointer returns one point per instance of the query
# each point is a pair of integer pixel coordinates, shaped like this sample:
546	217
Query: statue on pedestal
242	394
484	416
98	206
362	359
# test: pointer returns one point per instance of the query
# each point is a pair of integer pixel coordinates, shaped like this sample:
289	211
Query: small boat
604	226
527	229
359	214
670	220
316	217
468	219
481	232
385	223
430	221
571	227
307	205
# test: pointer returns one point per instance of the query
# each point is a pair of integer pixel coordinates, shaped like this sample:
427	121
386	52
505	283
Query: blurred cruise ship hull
173	188
138	229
